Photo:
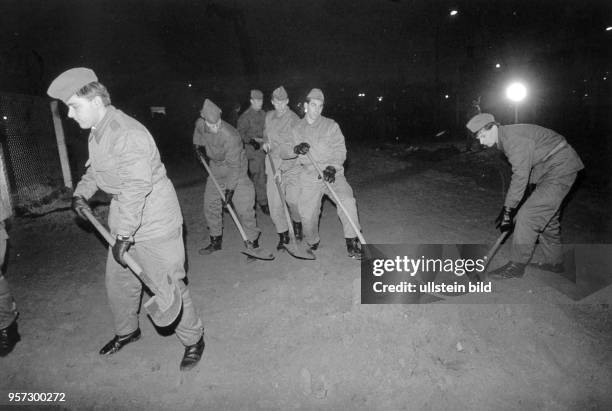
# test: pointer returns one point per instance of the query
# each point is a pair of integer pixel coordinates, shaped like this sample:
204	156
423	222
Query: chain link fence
31	154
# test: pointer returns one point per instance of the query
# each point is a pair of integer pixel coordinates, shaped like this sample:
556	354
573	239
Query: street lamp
516	92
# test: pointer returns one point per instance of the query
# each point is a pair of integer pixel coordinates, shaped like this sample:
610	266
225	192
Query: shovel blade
300	252
164	308
258	253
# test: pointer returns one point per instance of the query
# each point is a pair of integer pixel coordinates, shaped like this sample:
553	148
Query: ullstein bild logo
424	273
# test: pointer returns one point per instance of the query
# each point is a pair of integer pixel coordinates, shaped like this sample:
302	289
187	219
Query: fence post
61	144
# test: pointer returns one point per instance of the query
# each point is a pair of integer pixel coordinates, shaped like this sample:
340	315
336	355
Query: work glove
254	143
329	174
78	205
504	219
229	194
301	148
122	244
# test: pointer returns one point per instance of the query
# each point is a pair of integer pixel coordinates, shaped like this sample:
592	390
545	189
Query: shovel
258	253
292	248
165	305
338	202
491	253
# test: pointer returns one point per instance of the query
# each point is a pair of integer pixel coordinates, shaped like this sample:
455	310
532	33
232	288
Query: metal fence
30	151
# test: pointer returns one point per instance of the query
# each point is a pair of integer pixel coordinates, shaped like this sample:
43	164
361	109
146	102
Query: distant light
605	78
188	84
497	65
446	96
4	118
380	98
516	92
453	12
586	94
609	28
361	95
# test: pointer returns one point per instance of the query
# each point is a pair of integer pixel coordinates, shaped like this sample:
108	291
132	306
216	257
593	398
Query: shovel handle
229	207
494	248
283	199
134	266
338	202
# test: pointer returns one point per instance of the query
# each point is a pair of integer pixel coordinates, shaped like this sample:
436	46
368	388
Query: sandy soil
291	334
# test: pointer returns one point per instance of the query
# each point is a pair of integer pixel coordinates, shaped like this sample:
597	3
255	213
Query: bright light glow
609	28
605	78
516	92
188	84
361	95
380	98
4	117
446	96
454	12
497	65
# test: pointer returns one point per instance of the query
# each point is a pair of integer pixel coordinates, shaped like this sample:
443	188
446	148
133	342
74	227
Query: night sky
136	46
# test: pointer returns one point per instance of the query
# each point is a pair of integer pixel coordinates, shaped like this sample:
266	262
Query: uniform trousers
158	257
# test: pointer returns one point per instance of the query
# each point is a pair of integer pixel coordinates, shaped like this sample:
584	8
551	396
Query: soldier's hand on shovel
121	246
229	194
78	205
504	219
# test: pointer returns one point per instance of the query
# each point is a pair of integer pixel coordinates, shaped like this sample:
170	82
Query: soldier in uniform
322	137
144	215
9	336
538	156
279	144
216	140
251	127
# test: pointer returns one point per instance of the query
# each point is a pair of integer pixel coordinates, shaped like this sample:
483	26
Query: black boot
8	338
353	247
253	244
297	229
510	270
215	245
265	209
120	341
283	238
193	354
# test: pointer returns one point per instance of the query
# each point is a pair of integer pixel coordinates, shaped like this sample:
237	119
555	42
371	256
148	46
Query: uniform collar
501	136
98	130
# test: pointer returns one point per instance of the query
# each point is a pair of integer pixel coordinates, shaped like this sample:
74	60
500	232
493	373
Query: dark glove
329	174
78	205
122	244
504	219
301	148
255	144
229	194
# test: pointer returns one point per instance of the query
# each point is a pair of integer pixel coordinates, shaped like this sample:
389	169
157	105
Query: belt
555	150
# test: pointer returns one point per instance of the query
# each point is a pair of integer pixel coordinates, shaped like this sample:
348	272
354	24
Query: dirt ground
291	334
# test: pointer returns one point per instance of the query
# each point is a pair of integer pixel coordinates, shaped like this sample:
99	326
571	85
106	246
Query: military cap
479	121
316	94
256	95
280	94
71	81
210	112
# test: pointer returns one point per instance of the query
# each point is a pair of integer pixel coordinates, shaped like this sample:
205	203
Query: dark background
427	65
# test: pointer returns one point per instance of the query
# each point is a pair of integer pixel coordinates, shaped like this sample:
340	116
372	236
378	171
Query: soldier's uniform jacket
225	150
5	196
250	125
277	133
124	161
326	142
536	154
